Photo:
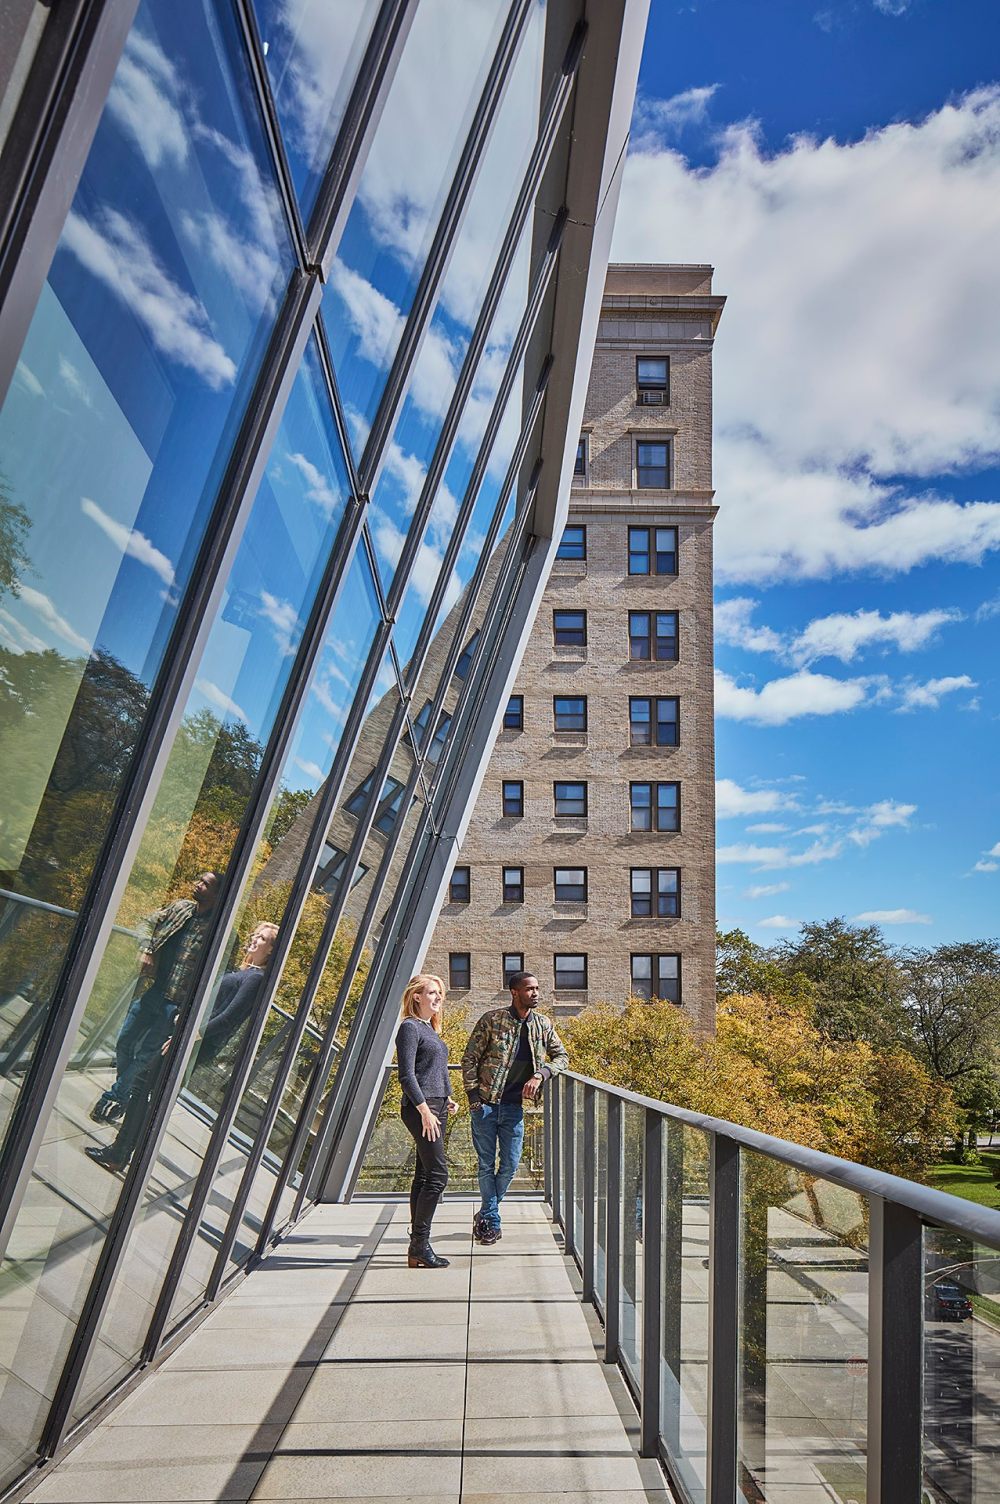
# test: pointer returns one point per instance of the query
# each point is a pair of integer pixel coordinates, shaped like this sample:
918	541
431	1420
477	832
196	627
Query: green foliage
287	807
855	980
15	525
742	967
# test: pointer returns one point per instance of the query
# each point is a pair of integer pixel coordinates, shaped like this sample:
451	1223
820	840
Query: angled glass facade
290	356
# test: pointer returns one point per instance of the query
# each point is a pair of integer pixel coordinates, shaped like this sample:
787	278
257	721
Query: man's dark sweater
521	1067
422	1056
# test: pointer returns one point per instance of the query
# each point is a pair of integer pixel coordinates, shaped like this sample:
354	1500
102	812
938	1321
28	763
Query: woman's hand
452	1107
430	1127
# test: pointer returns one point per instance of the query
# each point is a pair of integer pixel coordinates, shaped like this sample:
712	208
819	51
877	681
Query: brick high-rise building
590	856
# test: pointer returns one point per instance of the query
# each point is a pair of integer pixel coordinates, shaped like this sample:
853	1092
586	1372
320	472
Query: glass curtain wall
183	1092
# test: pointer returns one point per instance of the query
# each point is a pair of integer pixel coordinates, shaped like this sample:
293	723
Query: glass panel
601	1202
440	357
385	243
579	1189
115	435
313	52
633	1125
803	1388
684	1338
113	439
961	1369
208	782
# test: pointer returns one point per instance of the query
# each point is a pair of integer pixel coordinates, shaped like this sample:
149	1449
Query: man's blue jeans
496	1127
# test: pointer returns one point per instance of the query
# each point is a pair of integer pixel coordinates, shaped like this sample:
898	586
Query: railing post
652	1265
569	1176
723	1318
895	1353
555	1119
613	1232
589	1187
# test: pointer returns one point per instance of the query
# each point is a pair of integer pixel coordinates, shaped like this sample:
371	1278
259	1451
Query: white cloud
311	769
892	916
318	488
129	541
768	857
767	828
284	620
115	250
778	922
844	635
730	799
928	696
766	890
26	378
884	815
139	101
994	850
17	636
671	115
38	602
840	369
218	697
788	699
733	626
74	382
892	7
982	866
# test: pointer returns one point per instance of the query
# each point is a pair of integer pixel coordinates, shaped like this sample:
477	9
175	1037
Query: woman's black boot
422	1256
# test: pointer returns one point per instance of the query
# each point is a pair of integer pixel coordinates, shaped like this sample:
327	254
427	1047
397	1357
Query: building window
465	660
570	972
580	463
569	629
513	961
652	550
460	887
571	884
513	716
653	635
570	798
657	976
569	712
440	737
331	869
655	806
420	724
355	805
652	464
513	885
460	970
573	544
654	720
513	798
656	892
389	806
652	380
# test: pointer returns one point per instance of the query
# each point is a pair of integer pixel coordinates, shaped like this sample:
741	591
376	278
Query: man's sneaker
491	1234
479	1226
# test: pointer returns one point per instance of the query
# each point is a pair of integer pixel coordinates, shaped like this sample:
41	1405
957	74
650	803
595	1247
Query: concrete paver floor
334	1372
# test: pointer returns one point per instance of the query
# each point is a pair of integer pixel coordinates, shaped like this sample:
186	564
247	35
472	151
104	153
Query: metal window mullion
313	978
895	1353
613	1234
242	1068
723	1318
439	254
55	122
569	1164
652	1268
261	84
589	1169
167	703
358	127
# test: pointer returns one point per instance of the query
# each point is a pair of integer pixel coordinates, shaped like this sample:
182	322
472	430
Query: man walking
510	1055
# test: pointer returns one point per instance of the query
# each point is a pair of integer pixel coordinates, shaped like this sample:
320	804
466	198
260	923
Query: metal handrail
965	1217
54	908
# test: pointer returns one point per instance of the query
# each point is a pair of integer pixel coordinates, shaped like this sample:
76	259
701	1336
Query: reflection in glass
630	1336
684	1335
113	440
385	243
601	1200
313	50
579	1189
803	1390
961	1368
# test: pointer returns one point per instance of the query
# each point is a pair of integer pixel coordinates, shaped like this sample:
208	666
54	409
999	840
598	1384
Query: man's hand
532	1086
147	963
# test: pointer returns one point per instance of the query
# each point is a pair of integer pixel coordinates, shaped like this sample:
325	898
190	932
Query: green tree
15	524
743	967
856	980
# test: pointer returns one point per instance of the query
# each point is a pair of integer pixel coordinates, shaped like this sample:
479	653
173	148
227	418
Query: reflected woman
422	1056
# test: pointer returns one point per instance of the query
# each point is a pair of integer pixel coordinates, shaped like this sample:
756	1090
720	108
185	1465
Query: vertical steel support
652	1264
613	1232
589	1187
556	1087
723	1318
569	1165
895	1354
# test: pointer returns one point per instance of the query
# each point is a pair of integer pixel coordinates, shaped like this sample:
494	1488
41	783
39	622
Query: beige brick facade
651	311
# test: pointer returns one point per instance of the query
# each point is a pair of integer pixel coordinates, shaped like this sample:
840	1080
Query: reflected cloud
38	602
372	316
218	697
74	382
311	769
26	378
16	637
284	620
318	488
139	103
130	542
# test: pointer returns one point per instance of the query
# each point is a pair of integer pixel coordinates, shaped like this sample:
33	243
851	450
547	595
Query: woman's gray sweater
422	1056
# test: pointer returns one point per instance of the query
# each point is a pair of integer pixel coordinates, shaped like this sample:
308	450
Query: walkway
334	1372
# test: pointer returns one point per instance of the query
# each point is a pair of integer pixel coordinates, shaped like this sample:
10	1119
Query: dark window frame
559	986
508	971
647	384
655	958
582	457
508	723
455	957
653	807
654	895
512	783
645	469
576	897
457	898
673	638
643	543
465	657
564	636
517	887
573	527
581	699
580	783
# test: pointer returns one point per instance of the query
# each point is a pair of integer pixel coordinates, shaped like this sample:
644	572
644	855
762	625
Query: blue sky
838	162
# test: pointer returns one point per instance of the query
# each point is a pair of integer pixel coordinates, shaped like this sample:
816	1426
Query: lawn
974	1182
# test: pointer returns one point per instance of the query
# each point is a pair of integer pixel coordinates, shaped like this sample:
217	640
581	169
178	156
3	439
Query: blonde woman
422	1056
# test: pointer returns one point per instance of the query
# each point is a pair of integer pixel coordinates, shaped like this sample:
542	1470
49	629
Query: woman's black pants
431	1174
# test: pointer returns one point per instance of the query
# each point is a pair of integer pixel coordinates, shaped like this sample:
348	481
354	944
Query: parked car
946	1302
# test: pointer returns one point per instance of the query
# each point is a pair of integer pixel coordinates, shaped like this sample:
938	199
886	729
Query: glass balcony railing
792	1326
